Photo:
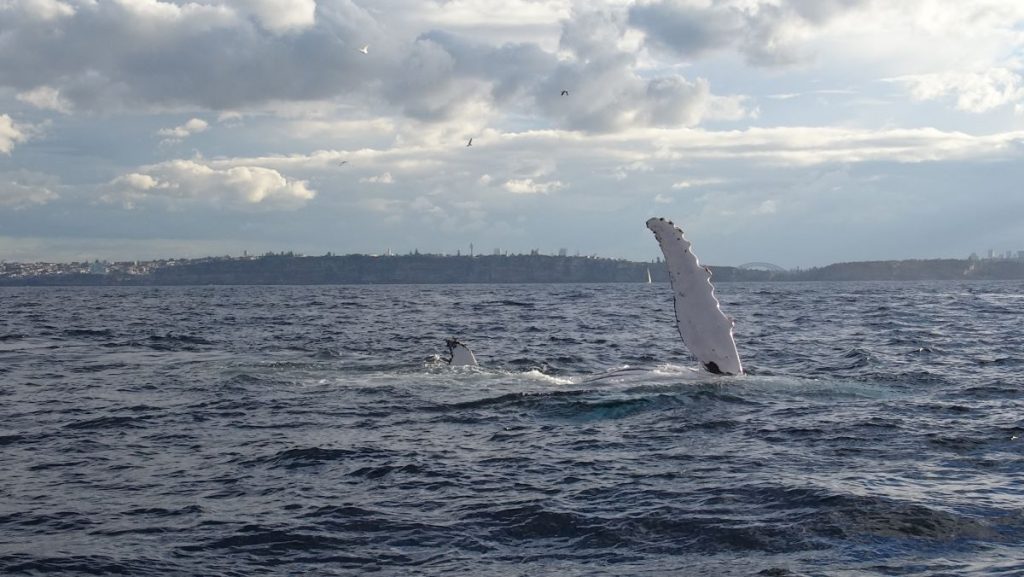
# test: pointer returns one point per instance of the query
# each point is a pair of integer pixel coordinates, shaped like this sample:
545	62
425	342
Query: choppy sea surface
313	431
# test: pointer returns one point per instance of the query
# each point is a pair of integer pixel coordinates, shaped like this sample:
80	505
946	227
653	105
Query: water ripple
313	430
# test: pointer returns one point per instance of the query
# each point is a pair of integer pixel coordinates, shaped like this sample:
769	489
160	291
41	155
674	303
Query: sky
795	132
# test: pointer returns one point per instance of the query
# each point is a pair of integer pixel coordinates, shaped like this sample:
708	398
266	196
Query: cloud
255	54
281	16
529	186
383	205
768	33
608	91
441	214
38	10
45	98
975	92
179	133
159	55
685	29
139	182
811	146
180	183
766	207
429	87
696	182
495	21
379	179
22	189
231	117
10	134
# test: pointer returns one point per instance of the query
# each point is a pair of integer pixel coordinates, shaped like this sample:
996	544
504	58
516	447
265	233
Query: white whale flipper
705	329
461	356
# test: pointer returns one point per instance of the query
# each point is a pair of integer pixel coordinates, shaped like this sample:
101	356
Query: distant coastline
291	269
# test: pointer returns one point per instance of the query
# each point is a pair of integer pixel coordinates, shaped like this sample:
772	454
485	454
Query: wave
506	303
88	333
313	456
109	423
22	564
174	342
300	441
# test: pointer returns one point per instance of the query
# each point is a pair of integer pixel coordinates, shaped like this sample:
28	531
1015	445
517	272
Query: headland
292	269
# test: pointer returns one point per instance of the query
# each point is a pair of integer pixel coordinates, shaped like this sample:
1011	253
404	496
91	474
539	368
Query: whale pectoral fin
705	329
459	354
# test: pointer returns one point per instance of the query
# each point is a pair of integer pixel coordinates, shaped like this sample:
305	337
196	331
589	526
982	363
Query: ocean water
313	431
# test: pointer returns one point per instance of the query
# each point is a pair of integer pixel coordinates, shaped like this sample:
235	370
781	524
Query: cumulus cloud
766	207
237	56
179	133
45	98
179	183
530	186
687	29
22	189
281	16
766	32
157	54
440	214
38	10
139	182
429	87
696	182
607	90
379	179
975	92
443	77
10	134
230	117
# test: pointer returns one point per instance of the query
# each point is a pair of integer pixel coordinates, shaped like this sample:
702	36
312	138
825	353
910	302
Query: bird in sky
343	163
565	93
470	143
365	49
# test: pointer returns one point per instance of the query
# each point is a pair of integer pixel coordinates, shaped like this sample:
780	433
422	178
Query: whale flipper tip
459	354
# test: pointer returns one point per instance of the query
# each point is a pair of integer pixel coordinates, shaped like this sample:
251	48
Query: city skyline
795	132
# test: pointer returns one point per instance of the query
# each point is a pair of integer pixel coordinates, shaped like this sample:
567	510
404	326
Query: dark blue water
311	431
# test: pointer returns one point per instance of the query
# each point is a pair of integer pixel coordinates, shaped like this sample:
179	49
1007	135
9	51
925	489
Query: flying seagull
343	163
470	143
565	93
365	49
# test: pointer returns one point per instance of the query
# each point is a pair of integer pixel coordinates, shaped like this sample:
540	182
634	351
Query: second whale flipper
705	329
461	356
